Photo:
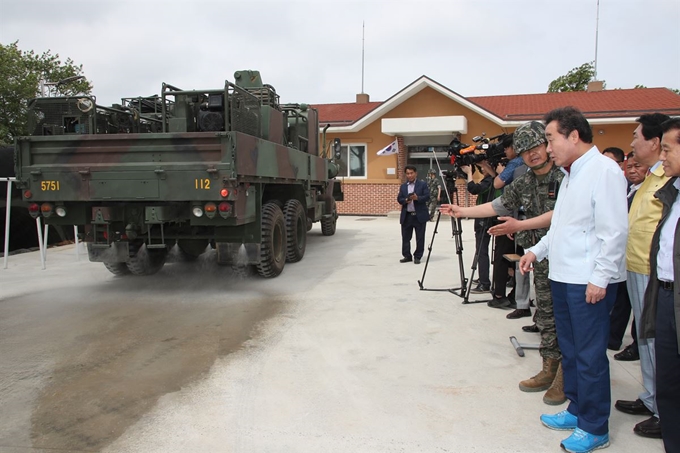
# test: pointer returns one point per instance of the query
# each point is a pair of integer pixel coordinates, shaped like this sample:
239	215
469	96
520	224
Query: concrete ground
342	352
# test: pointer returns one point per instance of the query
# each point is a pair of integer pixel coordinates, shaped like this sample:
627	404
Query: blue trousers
583	333
667	371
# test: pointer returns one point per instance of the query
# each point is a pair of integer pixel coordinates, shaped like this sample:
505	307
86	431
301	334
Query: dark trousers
410	224
482	239
582	333
619	318
504	245
667	371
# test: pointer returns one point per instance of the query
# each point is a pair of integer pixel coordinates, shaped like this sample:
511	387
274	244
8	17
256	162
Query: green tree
575	80
21	75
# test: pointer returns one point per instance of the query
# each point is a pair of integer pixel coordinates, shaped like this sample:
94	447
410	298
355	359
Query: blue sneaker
561	421
582	442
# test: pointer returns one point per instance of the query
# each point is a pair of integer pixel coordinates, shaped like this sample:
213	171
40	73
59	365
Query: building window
353	161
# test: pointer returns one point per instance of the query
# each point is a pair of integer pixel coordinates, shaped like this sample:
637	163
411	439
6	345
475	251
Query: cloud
311	50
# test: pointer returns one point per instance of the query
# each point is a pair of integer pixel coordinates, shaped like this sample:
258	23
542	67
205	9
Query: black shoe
405	260
629	354
636	407
519	313
475	281
532	328
416	260
481	289
502	302
531	303
649	428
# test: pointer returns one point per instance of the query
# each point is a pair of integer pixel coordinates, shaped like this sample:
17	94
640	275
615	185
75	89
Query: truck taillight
28	194
224	193
210	209
225	207
47	209
34	210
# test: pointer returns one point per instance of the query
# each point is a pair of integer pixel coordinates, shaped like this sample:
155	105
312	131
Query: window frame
347	146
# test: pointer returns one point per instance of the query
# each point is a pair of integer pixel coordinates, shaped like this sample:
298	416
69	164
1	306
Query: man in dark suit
661	312
413	197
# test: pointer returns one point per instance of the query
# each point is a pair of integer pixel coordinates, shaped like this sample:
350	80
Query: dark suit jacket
423	192
647	327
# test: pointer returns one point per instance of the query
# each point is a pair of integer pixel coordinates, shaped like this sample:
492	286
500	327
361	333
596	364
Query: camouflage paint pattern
535	197
545	317
433	185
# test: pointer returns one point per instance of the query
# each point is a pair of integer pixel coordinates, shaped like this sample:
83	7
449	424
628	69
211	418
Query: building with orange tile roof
425	115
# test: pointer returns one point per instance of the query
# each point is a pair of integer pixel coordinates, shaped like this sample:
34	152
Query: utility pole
597	26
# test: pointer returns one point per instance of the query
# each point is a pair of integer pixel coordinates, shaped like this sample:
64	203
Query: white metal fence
42	233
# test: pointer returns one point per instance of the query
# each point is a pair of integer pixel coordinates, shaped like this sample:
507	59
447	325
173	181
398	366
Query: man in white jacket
586	246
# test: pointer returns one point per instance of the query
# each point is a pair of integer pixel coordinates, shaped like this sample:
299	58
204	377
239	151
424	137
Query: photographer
536	190
485	193
506	173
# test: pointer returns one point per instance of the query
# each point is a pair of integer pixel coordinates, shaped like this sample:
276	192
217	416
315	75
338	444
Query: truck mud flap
237	254
117	252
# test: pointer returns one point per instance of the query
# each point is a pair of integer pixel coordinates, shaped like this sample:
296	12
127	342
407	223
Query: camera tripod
465	287
463	290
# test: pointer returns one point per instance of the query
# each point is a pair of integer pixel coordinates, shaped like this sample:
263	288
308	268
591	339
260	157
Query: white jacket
586	242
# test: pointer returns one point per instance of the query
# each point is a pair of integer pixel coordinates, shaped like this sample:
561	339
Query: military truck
230	169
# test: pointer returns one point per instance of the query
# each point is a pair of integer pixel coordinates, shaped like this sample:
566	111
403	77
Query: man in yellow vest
644	215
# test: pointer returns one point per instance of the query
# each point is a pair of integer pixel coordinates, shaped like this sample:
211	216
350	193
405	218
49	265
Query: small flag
392	148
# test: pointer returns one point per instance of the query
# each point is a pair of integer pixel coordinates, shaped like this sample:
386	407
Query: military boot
555	394
543	380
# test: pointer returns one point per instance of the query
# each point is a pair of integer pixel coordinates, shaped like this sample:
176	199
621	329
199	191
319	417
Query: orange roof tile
601	104
343	114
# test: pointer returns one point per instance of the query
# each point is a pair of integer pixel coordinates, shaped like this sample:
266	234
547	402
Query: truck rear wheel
273	246
147	262
296	230
328	223
117	268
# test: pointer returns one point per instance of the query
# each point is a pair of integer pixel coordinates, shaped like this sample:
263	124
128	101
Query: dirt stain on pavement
131	353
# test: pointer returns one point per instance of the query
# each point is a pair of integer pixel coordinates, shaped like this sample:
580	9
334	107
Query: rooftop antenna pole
597	25
363	39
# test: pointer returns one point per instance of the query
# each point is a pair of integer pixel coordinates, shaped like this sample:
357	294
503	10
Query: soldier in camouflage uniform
435	191
536	192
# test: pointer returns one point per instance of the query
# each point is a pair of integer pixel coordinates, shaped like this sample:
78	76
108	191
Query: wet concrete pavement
342	352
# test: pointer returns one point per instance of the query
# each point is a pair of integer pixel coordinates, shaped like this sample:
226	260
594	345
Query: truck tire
273	246
328	223
147	262
296	230
118	269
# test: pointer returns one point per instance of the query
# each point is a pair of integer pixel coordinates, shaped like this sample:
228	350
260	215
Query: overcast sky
311	50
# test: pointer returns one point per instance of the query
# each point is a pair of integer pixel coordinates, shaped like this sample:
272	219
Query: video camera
492	149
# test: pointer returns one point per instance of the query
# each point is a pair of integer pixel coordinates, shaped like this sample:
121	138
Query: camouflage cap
528	135
432	171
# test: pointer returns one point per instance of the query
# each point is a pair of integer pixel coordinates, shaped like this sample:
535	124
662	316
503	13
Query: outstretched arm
475	212
511	225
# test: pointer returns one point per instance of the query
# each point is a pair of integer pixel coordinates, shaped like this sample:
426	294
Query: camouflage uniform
532	193
434	185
